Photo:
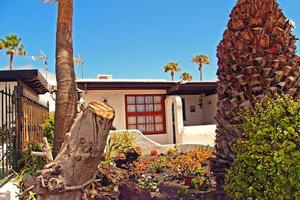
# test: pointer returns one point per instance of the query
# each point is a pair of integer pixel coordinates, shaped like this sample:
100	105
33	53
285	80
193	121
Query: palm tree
200	60
66	100
1	45
172	67
186	76
12	45
256	58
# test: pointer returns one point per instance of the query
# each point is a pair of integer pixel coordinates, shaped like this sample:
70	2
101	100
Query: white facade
199	109
195	113
116	99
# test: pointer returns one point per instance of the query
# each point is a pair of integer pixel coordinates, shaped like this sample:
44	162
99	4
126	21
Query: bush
159	164
48	128
267	165
191	161
32	164
119	143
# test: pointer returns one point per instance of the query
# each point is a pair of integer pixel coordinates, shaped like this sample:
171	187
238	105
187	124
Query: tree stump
79	156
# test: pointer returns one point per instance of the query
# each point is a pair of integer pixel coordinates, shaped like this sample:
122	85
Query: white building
166	111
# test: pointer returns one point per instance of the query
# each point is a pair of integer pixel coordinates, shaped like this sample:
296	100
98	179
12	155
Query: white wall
116	99
5	119
10	85
209	109
204	114
192	118
175	101
30	93
27	91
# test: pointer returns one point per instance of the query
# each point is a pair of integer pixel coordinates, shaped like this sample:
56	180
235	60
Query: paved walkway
9	192
201	134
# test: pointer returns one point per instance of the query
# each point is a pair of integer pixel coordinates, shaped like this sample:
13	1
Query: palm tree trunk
11	61
200	70
66	100
172	75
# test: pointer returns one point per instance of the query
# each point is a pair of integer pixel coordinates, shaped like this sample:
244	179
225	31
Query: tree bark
172	75
79	156
66	100
200	70
11	61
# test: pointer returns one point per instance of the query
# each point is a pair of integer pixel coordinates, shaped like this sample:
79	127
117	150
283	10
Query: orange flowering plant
191	162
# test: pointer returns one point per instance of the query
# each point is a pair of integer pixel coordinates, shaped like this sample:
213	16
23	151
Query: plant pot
188	180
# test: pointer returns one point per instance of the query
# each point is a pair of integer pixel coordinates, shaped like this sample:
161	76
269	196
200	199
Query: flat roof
172	87
31	77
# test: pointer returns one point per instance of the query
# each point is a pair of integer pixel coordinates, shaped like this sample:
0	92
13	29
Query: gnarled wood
79	156
47	153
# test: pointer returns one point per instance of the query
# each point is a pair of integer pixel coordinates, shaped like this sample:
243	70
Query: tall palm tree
200	60
66	100
12	45
256	58
186	76
172	67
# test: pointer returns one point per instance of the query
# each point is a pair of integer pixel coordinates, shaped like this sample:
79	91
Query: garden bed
164	176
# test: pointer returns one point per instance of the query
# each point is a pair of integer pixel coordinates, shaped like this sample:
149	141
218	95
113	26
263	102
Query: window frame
153	113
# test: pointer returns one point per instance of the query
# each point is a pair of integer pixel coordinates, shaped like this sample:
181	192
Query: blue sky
128	39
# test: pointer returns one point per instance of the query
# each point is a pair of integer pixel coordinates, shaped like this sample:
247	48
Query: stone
129	191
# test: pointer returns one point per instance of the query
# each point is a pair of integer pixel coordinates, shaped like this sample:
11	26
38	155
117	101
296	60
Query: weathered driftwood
47	153
79	156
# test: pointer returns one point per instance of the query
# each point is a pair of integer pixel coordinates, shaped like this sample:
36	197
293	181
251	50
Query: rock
165	198
28	180
129	191
111	175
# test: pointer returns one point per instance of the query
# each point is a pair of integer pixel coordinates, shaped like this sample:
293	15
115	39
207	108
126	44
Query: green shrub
48	128
267	165
160	164
148	182
31	164
119	142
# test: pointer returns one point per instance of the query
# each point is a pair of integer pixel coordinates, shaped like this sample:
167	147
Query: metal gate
7	131
20	124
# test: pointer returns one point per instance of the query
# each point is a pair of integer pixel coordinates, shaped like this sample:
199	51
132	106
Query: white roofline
139	80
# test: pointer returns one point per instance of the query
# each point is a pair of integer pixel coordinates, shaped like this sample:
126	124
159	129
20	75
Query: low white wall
116	99
147	144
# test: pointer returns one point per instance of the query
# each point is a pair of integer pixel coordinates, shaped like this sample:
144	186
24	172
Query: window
145	113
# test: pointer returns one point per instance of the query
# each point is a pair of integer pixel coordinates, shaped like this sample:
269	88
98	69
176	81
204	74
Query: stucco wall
5	119
10	85
116	99
202	115
209	109
27	91
192	118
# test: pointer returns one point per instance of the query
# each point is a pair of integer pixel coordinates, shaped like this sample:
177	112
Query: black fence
20	124
7	131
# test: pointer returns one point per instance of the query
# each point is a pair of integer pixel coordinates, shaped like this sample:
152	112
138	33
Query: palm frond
201	59
186	76
172	66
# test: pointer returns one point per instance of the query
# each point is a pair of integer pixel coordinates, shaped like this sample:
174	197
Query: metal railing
7	131
21	122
